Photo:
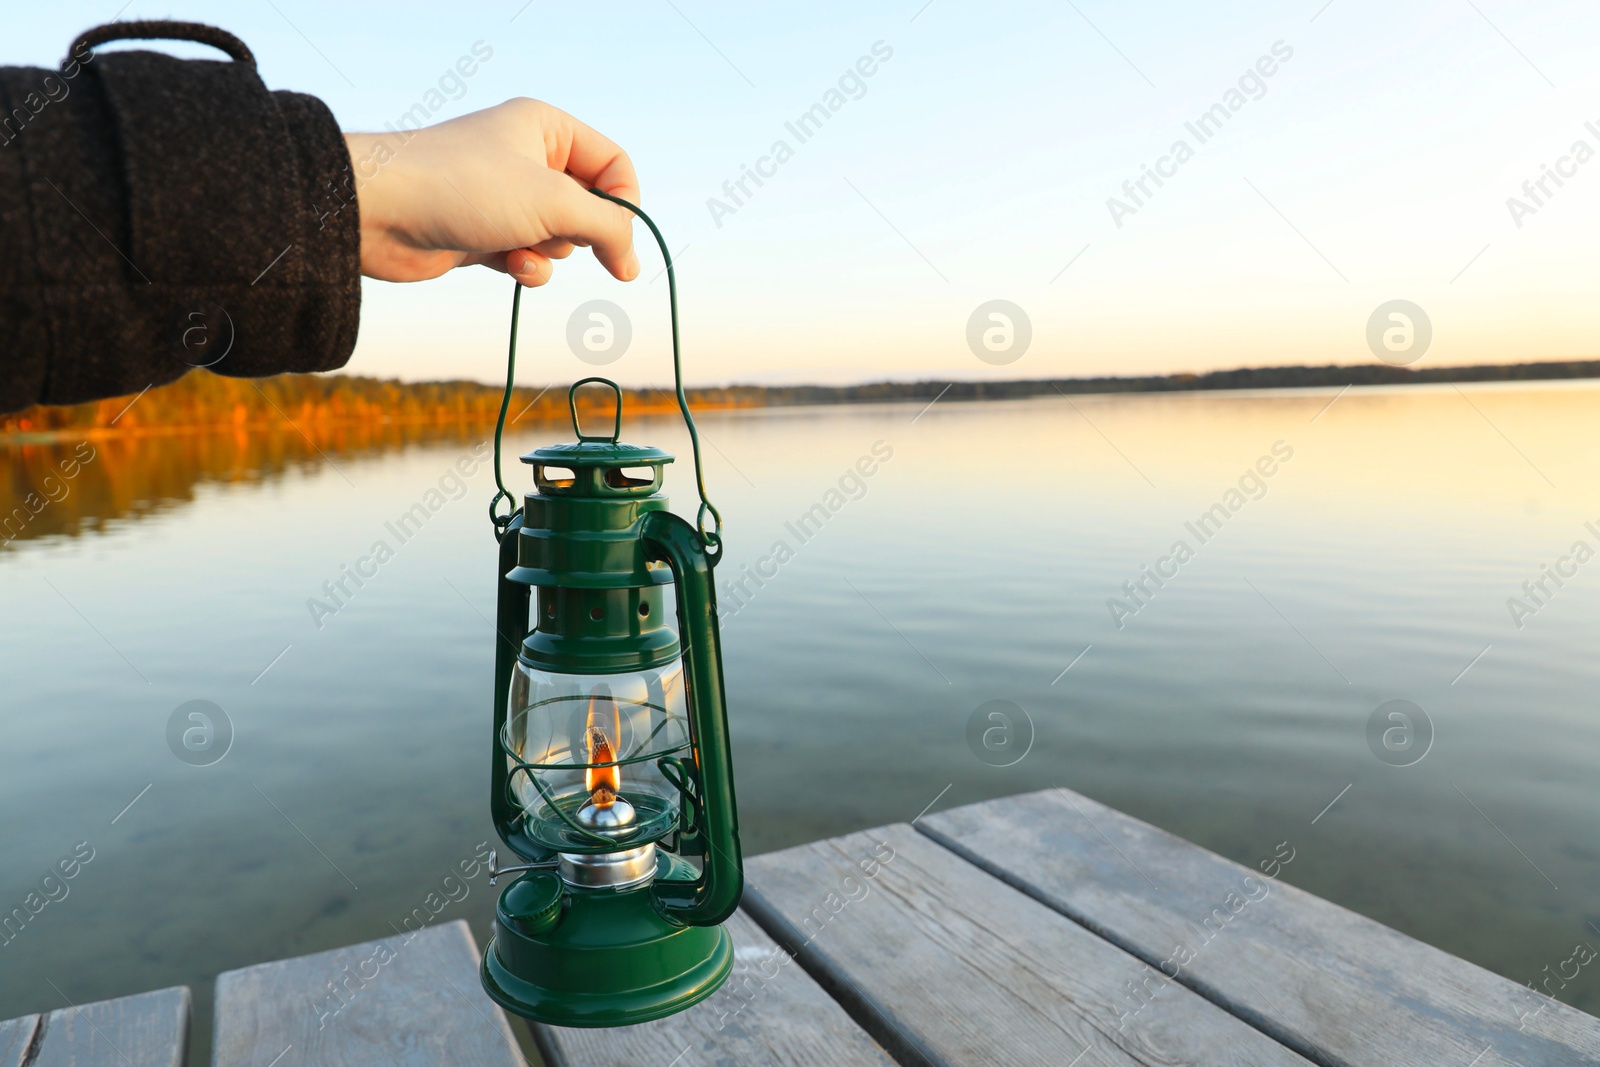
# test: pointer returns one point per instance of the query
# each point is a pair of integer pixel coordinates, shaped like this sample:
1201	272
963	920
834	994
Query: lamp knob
495	870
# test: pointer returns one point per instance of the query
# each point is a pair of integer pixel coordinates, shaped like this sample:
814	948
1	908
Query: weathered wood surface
15	1035
411	1001
947	965
1336	987
148	1030
1044	929
769	1012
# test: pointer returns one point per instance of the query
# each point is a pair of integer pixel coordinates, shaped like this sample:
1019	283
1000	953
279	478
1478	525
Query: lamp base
572	956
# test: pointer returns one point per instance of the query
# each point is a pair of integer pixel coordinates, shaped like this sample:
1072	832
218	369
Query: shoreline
464	404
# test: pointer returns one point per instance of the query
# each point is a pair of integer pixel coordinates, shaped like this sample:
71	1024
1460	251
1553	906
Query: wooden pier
1042	930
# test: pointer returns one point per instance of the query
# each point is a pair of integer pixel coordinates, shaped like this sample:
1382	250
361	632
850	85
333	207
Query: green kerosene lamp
611	775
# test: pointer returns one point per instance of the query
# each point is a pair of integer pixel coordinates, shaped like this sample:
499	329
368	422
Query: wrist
369	152
371	159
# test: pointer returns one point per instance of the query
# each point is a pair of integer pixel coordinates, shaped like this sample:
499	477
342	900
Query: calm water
974	564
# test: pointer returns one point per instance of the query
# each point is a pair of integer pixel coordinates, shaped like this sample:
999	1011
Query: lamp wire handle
503	522
710	538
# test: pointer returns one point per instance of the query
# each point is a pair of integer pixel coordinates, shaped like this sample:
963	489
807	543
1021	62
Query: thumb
579	216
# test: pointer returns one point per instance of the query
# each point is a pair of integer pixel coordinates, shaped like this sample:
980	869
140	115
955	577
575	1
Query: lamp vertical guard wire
611	775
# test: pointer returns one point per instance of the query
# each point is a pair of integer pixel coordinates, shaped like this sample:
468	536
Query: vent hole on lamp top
597	614
644	610
556	477
630	477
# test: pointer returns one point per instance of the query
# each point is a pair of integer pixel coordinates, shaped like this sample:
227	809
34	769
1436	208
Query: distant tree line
202	400
1243	378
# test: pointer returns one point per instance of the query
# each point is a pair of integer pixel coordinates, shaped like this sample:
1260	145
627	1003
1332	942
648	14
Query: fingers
591	157
525	265
528	267
555	248
582	218
594	160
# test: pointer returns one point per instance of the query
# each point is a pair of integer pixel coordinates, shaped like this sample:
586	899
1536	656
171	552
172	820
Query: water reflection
56	488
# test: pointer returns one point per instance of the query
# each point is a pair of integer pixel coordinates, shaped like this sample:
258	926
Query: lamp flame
604	783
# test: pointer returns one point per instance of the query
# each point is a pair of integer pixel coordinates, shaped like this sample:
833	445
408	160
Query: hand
507	187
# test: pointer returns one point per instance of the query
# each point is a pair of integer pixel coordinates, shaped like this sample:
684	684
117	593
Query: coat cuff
230	238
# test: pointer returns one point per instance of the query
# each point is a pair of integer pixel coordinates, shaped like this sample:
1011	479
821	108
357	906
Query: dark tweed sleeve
158	214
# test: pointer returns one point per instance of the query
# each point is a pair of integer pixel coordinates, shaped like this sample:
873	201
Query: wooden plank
411	1000
15	1036
768	1012
1337	987
147	1030
945	964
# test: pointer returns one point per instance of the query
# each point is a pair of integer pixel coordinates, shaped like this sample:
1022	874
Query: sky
979	162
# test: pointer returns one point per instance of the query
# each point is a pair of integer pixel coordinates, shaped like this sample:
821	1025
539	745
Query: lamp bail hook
572	406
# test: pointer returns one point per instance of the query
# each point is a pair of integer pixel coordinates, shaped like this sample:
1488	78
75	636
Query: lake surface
1230	703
